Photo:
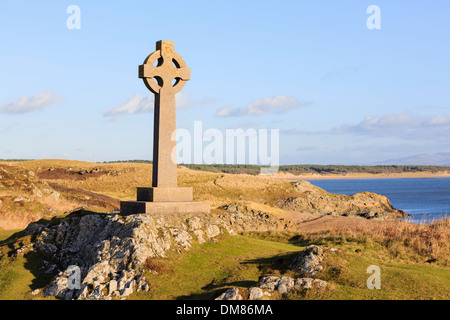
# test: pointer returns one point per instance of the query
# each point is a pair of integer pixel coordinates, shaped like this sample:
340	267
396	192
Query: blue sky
339	92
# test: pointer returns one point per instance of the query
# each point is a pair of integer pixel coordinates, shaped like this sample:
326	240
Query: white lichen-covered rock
286	284
110	250
269	282
255	293
309	283
308	262
230	294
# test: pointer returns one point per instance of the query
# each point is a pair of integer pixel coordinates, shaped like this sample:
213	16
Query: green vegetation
208	269
226	168
238	261
130	161
341	169
404	272
22	273
4	234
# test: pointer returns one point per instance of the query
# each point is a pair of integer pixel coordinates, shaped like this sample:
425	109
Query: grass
238	261
208	269
20	276
215	187
5	234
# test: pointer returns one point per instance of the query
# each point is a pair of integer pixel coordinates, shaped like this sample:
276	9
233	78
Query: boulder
255	293
287	284
230	294
308	261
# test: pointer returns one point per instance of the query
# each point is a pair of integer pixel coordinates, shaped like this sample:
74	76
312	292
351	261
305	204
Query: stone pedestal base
134	207
164	194
164	200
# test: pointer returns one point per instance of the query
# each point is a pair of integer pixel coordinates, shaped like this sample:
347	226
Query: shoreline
412	175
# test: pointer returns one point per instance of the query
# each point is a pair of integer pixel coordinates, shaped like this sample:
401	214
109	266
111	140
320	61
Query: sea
425	199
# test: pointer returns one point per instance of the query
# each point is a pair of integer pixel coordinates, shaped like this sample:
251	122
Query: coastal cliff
313	199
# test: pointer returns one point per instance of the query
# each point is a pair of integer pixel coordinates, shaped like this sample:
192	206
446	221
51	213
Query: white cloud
136	104
141	104
402	125
26	104
438	121
183	100
224	111
278	104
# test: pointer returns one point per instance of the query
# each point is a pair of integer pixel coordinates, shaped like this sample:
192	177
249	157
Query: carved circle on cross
165	70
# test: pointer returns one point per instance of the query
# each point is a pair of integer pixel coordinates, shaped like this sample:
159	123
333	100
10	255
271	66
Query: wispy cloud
278	104
135	104
298	132
380	126
141	104
183	100
25	104
401	125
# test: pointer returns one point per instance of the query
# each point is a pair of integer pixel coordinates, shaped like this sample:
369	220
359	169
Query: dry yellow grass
402	239
119	181
217	188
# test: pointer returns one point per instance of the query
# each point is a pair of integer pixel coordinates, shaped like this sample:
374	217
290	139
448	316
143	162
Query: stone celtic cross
164	73
165	79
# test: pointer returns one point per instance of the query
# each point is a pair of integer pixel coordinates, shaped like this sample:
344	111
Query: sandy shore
289	176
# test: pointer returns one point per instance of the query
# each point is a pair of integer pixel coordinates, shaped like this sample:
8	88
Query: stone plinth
164	194
135	207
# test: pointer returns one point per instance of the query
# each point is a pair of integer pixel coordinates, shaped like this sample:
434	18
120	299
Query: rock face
245	218
315	200
110	250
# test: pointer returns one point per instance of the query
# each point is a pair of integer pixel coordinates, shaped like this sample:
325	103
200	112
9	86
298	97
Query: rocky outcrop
268	284
308	262
313	199
244	218
109	250
286	284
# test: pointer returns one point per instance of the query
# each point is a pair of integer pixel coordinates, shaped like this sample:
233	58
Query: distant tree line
296	169
318	169
304	168
129	161
343	169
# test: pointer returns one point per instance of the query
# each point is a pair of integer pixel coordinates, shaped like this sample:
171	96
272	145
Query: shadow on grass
18	254
34	264
215	290
293	238
275	265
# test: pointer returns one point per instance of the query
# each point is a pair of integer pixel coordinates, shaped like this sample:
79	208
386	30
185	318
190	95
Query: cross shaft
158	80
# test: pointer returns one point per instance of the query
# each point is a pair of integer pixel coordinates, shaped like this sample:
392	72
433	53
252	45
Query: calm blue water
425	199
